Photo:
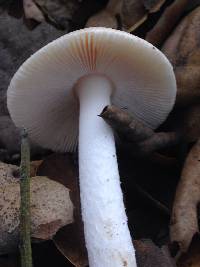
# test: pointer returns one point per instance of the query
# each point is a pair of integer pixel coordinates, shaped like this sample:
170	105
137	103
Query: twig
25	228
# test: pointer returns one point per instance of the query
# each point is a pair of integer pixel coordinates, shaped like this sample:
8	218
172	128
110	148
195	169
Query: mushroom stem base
107	236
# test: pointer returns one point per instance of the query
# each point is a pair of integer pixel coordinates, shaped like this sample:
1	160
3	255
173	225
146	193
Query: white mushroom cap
40	95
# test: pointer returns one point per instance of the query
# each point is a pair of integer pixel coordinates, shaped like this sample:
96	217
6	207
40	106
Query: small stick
25	226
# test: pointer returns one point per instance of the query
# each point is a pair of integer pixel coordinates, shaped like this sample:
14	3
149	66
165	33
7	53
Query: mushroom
71	80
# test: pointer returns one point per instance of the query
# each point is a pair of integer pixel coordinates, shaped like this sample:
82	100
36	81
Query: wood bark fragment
184	221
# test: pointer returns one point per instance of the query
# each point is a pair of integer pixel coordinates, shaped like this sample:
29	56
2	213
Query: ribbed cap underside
40	95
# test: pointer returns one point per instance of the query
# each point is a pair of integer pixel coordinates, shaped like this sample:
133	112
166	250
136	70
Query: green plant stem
25	224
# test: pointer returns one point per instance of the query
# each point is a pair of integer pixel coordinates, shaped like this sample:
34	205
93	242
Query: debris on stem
144	139
125	124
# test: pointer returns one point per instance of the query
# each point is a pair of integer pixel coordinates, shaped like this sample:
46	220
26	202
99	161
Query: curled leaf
191	126
184	221
166	23
153	5
183	50
192	257
135	12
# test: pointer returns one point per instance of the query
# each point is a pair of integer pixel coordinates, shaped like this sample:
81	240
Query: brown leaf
192	257
51	209
183	50
149	255
166	23
70	239
191	125
133	14
153	5
31	11
102	19
142	139
34	167
106	17
58	12
184	222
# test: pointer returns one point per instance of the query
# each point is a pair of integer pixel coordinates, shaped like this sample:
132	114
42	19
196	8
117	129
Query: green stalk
25	221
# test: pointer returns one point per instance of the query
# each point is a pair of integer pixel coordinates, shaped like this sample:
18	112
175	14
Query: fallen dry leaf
166	23
51	209
184	222
70	239
59	13
102	19
149	255
106	17
141	139
31	11
191	125
192	257
34	167
153	5
133	14
183	50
